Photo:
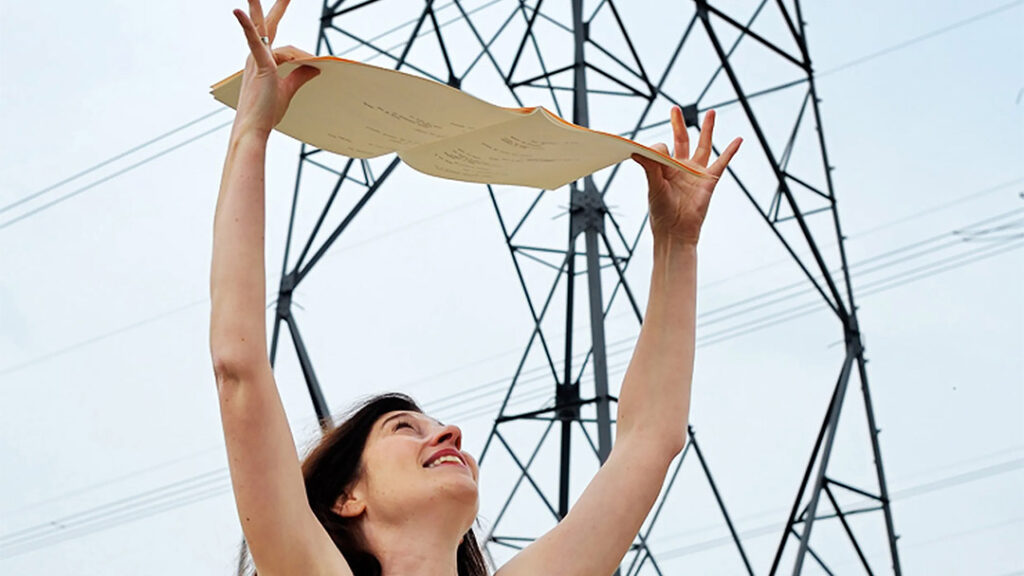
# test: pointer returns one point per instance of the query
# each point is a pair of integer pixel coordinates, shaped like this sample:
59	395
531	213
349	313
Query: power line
215	483
939	207
109	177
29	197
173	131
101	337
112	508
873	230
757	300
95	167
92	487
921	38
10	222
748	327
538	373
816	306
736	331
749	300
775	527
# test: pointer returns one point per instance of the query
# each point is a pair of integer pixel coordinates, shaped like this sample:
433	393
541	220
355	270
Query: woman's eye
401	424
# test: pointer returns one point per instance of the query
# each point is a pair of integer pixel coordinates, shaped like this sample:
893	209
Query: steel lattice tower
577	58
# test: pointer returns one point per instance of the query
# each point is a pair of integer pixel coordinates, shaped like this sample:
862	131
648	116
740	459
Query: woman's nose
450	434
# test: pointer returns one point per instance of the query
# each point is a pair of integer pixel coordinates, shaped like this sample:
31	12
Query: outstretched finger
703	152
260	53
682	139
274	18
256	14
718	167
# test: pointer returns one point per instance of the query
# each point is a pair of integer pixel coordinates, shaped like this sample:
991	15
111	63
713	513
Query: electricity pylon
578	59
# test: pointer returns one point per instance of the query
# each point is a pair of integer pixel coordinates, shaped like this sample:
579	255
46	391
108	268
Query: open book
364	111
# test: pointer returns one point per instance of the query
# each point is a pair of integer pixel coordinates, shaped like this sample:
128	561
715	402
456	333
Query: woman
390	492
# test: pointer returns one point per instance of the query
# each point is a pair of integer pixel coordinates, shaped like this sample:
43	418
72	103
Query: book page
538	150
364	111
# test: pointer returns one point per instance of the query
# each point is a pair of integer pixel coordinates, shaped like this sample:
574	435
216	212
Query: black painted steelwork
794	197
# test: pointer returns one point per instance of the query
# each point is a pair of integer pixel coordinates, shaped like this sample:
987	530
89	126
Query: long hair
334	465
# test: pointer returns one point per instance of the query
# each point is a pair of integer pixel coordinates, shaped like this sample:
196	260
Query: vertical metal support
883	489
721	503
580	107
803	482
568	395
604	422
819	482
323	413
592	215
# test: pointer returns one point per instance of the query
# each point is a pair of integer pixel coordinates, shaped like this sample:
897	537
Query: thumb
652	168
297	78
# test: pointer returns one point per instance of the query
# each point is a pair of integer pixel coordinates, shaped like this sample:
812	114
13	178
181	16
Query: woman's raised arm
654	402
283	535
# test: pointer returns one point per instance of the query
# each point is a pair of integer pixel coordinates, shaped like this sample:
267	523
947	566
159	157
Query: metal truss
521	48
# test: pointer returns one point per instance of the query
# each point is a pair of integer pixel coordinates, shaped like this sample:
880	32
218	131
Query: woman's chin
459	488
461	493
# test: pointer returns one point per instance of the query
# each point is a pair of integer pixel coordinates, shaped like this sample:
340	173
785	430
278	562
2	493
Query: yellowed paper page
539	150
364	111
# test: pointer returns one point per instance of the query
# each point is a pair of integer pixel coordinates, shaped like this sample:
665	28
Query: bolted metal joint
586	209
567	401
690	116
284	296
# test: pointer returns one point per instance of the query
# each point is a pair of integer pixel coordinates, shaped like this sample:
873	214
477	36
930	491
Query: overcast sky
110	440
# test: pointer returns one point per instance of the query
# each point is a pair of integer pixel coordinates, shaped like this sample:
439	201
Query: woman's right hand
264	96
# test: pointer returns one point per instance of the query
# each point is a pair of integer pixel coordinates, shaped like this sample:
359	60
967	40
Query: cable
117	506
101	337
178	129
158	499
860	234
109	160
539	373
816	306
762	323
921	38
953	238
214	483
776	527
461	398
108	482
939	207
210	484
10	222
383	34
131	167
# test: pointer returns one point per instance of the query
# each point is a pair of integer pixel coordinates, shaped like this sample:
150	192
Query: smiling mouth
447	459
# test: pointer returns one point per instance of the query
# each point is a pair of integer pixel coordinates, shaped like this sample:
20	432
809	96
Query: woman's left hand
679	200
264	97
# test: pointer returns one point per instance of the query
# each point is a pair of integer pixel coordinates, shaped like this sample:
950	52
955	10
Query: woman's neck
415	550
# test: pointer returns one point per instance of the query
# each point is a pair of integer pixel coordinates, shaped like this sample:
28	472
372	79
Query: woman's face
413	464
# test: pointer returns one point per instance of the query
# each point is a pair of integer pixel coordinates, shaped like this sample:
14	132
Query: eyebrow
407	413
392	417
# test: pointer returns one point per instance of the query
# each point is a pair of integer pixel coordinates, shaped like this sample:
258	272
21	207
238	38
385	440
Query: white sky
106	395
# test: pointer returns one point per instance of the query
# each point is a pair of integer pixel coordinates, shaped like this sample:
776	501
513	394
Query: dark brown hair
334	465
